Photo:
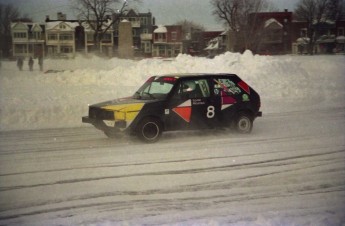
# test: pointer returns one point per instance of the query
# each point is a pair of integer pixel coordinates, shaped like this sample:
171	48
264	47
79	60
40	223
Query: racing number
210	112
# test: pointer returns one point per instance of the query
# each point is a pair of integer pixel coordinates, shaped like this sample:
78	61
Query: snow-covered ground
289	171
35	100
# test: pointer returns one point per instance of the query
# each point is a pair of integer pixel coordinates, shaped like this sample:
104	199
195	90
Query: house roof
160	29
29	26
53	25
271	22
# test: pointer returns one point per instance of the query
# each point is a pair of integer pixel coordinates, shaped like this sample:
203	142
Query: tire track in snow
176	172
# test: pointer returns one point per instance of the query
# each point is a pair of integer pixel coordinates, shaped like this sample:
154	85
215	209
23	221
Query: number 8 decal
210	112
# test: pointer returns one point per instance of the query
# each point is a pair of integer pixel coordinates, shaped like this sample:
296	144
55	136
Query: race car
179	102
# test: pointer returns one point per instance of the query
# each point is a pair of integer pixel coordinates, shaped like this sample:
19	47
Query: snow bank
35	100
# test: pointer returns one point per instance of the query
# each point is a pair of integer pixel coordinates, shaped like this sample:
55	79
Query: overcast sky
166	11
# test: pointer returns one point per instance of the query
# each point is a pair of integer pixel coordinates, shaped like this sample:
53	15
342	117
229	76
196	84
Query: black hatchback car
179	102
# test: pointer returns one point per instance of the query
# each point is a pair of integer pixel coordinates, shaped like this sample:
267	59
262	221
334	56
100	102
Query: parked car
179	102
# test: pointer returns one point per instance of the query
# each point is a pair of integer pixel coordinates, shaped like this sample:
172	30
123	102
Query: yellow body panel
126	112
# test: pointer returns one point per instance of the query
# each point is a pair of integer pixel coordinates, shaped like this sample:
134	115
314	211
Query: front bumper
259	114
87	119
100	124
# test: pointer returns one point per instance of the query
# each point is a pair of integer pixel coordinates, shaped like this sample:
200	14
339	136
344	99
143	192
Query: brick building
167	41
274	29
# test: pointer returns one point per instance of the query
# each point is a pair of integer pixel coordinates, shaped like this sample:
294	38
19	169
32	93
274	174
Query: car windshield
155	88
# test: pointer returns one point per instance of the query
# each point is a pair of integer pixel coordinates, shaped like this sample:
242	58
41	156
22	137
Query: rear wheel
244	123
149	130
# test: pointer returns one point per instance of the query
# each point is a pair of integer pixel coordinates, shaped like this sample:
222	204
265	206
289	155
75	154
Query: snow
37	100
160	29
53	25
340	39
56	171
272	21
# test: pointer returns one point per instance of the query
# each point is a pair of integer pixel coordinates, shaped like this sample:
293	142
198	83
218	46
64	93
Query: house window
340	31
52	37
66	37
66	49
106	37
146	47
20	48
274	36
89	37
62	26
160	37
36	35
303	32
177	51
19	34
143	20
174	36
161	50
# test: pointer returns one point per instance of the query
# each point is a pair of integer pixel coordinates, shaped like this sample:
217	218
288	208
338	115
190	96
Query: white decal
210	112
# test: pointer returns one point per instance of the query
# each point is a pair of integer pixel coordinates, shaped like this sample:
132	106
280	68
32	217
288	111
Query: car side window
225	87
194	88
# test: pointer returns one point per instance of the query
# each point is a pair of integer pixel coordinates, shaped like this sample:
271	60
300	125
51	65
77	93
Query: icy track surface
289	171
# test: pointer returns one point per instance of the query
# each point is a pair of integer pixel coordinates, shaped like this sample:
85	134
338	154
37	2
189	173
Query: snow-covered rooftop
54	25
160	29
272	21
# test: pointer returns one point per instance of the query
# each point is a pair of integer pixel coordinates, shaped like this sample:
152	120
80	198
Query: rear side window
225	87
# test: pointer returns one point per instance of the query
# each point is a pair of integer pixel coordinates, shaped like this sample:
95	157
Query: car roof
191	75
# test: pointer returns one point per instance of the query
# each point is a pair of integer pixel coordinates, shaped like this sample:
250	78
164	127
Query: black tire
149	130
244	123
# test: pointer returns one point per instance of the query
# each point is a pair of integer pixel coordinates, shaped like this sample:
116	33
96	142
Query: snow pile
35	100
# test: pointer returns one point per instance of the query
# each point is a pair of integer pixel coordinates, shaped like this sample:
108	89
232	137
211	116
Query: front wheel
149	130
244	123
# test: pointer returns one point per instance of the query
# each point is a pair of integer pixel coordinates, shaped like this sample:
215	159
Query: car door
190	106
226	93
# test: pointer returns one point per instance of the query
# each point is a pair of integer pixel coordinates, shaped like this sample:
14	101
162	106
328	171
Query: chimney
47	18
286	10
61	16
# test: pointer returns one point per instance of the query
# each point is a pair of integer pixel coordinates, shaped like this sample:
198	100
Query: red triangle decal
183	112
228	100
244	86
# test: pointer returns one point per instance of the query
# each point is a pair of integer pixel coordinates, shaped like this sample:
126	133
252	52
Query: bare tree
100	15
239	17
189	26
315	12
8	13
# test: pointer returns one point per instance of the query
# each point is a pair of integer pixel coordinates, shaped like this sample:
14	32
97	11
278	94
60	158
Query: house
167	41
60	38
214	42
107	42
329	37
64	38
28	39
340	35
299	37
273	34
143	25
